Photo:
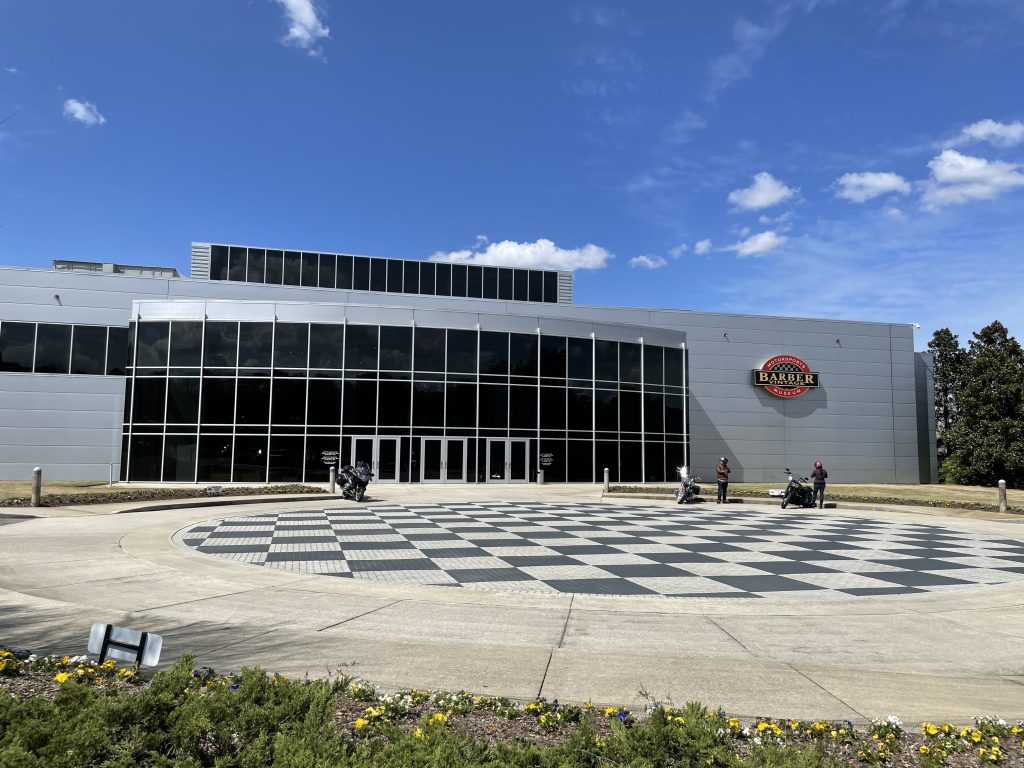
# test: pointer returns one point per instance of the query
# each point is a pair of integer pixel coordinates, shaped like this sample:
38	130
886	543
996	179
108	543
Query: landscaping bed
62	712
122	496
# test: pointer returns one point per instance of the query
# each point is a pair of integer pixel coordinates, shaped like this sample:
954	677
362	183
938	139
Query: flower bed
157	494
74	712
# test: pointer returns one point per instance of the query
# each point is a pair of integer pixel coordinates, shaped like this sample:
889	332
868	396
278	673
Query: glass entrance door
497	465
455	460
508	461
443	460
519	461
381	453
432	451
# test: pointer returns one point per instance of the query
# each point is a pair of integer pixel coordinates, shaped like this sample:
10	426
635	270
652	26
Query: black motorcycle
797	493
688	490
354	480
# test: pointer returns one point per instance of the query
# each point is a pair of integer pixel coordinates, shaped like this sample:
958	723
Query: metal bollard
334	478
540	477
37	487
110	481
1002	496
607	482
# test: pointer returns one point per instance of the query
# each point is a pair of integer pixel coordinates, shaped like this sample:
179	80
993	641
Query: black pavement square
584	548
303	557
644	570
914	578
411	564
470	575
608	586
680	557
764	583
782	567
452	552
213	549
305	539
525	561
365	545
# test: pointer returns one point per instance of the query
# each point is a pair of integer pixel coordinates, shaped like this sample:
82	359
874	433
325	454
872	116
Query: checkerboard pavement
608	549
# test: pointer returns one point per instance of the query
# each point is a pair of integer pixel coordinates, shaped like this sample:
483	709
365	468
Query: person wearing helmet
722	473
819	475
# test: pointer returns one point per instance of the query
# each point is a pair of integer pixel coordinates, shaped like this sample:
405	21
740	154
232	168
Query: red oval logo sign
785	376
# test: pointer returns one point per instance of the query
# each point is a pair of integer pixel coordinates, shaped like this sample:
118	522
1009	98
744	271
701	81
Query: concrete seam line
198	600
359	616
561	639
732	636
997	630
87	581
544	677
826	690
237	641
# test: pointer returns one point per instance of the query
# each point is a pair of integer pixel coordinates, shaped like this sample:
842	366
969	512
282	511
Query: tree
985	442
947	369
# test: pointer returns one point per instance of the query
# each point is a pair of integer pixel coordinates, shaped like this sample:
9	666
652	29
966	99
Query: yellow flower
611	711
932	729
975	736
108	664
834	734
762	727
439	717
418	733
3	665
995	739
65	660
125	672
5	654
776	730
794	724
734	723
361	723
923	750
61	677
679	720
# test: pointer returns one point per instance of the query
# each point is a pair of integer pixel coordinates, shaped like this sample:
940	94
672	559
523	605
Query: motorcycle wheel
784	503
362	492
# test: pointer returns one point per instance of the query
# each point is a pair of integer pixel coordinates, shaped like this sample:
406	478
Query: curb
186	504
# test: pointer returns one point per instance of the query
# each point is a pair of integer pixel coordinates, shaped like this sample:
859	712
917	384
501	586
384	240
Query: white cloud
541	254
894	213
750	41
757	244
765	192
677	251
12	70
958	178
702	247
83	112
305	30
861	187
995	133
782	218
648	262
684	128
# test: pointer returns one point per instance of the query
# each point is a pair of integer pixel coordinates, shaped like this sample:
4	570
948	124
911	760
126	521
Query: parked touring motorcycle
354	480
796	492
688	490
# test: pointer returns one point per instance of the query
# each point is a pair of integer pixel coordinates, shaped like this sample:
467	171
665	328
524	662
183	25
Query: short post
607	480
540	477
334	477
1002	496
37	487
110	481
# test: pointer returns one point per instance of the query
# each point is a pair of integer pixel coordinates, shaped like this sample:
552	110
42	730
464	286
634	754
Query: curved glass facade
237	401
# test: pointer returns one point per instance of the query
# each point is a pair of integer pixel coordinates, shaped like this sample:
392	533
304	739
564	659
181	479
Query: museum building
272	365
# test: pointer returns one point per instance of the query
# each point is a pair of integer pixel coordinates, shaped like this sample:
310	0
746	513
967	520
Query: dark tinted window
327	271
579	465
218	400
494	406
288	402
427	405
325	402
151	344
443	286
505	284
606	360
461	406
256	271
629	362
186	343
673	367
214	463
522	406
236	264
552	408
581	359
580	406
180	458
292	268
394	276
654	412
53	348
182	401
343	278
523	354
145	459
326	344
494	353
310	269
429	349
653	364
395	348
462	351
378	275
360	403
490	283
536	285
253	401
148	402
290	345
275	267
674	414
361	347
285	465
255	345
220	345
606	410
117	351
521	289
219	262
475	282
360	273
428	273
629	411
552	356
458	280
550	287
88	348
396	399
17	342
411	283
250	462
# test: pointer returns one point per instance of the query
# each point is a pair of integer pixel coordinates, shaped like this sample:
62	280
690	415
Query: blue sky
855	159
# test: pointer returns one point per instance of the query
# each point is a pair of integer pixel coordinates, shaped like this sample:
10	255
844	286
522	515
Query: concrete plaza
943	655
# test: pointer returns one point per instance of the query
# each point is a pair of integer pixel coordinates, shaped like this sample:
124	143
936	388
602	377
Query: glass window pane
606	456
151	344
550	287
552	460
411	283
214	462
250	461
522	406
490	283
505	284
394	276
17	345
630	457
461	406
255	345
494	406
461	351
326	343
321	455
186	343
475	282
275	267
629	362
310	269
361	347
458	280
523	354
218	401
443	286
654	462
219	262
88	347
674	367
291	345
360	273
552	356
427	404
343	278
536	285
606	360
146	453
494	353
360	404
629	412
286	459
579	465
674	414
53	348
581	404
253	402
148	402
236	264
292	268
182	400
654	412
428	272
378	275
521	289
429	349
327	271
288	398
552	408
256	270
581	359
653	364
117	351
397	399
220	345
179	458
395	348
606	410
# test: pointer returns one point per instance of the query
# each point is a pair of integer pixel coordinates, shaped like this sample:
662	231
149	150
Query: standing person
819	475
722	472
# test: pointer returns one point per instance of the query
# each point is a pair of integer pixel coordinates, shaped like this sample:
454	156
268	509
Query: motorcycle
796	492
688	490
354	480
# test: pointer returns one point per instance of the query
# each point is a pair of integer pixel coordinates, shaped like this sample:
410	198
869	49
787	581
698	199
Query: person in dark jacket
722	473
818	476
